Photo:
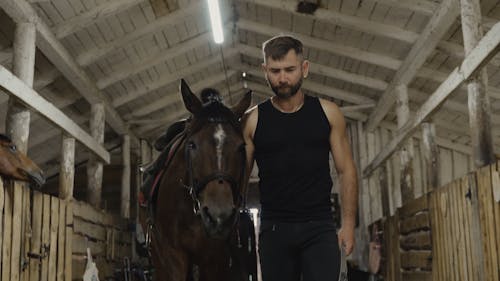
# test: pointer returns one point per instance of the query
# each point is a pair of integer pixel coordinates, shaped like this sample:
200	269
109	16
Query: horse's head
216	160
16	165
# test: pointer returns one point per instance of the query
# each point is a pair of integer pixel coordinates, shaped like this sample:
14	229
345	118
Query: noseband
195	186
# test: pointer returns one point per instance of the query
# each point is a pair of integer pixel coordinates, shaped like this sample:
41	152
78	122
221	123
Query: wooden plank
418	222
489	231
416	241
496	206
2	200
434	236
61	243
418	276
455	232
54	224
476	235
68	270
480	55
26	233
45	237
19	89
17	210
94	231
7	231
462	242
414	206
467	227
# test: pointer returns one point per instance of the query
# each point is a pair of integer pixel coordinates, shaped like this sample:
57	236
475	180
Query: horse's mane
5	138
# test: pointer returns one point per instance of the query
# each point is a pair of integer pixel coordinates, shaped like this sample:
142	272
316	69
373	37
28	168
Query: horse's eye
13	147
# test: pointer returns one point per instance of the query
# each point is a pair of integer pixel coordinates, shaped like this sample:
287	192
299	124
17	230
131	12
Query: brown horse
16	165
200	194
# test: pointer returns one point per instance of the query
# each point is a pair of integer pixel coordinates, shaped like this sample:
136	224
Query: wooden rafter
426	43
96	14
28	96
170	20
477	58
21	11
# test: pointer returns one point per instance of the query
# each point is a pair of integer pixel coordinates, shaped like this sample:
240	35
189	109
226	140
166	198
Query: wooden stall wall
381	192
107	237
36	244
442	236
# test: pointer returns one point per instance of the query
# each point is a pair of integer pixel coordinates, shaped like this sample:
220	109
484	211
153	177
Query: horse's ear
242	105
191	101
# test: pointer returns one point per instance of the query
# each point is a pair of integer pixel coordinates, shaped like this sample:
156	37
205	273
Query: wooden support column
18	121
406	152
479	103
94	166
125	194
67	172
364	195
431	155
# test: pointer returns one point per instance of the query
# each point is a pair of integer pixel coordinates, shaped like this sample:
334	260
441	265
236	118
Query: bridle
195	185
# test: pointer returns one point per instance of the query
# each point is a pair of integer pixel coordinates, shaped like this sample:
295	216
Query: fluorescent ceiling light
215	20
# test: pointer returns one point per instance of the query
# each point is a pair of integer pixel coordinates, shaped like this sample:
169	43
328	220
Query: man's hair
277	47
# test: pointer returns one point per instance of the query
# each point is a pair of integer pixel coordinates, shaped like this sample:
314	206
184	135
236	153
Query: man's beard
285	91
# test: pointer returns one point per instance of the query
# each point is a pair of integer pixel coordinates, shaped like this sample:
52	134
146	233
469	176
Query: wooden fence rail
435	236
53	235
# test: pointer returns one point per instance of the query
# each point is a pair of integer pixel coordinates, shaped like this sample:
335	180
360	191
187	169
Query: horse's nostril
221	181
208	215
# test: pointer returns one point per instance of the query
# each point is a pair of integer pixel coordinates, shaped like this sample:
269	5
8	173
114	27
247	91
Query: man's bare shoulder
331	110
250	120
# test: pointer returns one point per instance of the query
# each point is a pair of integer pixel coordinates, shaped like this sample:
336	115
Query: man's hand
346	239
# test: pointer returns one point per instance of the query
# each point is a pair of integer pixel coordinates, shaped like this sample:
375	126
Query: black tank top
292	153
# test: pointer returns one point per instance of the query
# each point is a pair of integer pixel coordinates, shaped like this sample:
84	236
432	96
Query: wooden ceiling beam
169	78
435	29
21	11
477	58
92	16
153	60
171	98
350	22
169	20
32	99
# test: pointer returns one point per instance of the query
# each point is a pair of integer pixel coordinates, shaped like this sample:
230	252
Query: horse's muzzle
218	225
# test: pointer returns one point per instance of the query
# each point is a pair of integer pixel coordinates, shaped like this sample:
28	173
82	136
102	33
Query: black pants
289	251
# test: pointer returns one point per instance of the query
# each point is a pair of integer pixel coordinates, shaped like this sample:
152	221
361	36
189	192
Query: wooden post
431	155
18	121
479	103
67	172
364	202
125	194
383	178
94	166
406	152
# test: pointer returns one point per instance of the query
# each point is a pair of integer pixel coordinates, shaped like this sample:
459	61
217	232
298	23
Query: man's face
285	76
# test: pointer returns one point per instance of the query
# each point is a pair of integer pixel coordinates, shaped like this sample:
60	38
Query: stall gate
44	238
443	236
